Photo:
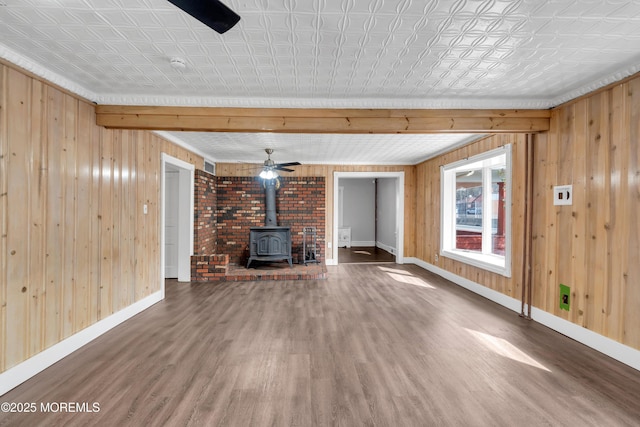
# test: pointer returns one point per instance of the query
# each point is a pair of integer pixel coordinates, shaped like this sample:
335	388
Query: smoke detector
178	64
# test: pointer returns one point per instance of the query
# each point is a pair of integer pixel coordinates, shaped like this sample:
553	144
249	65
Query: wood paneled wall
326	171
427	214
76	246
593	245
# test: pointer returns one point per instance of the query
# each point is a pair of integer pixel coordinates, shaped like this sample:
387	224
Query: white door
171	225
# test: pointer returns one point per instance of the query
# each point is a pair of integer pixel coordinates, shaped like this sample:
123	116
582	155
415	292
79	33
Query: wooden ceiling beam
304	120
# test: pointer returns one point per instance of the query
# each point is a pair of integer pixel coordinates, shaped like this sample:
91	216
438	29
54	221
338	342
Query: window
476	210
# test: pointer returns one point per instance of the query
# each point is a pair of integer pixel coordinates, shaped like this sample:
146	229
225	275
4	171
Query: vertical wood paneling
577	175
518	190
69	230
37	220
562	260
95	238
116	208
82	296
410	211
17	295
593	245
597	200
156	146
4	162
552	221
105	217
75	246
128	220
631	284
618	205
54	265
141	244
540	230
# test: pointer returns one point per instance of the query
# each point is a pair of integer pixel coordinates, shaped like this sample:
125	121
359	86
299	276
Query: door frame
399	209
185	216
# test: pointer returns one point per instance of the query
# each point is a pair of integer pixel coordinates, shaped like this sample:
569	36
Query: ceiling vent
210	167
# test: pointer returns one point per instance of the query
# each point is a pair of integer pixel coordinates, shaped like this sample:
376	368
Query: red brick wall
209	268
205	203
300	202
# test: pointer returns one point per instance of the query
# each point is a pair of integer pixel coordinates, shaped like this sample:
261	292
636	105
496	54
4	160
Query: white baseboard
614	349
387	248
20	373
366	243
331	261
490	294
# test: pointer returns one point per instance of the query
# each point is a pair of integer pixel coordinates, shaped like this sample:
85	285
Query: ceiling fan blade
210	12
289	164
283	169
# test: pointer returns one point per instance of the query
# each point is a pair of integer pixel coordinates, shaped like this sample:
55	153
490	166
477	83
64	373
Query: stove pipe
270	193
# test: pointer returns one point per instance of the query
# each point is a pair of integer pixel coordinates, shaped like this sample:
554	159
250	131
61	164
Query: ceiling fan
212	13
270	168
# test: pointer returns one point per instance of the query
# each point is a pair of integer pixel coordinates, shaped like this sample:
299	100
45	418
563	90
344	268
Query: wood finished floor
374	345
355	255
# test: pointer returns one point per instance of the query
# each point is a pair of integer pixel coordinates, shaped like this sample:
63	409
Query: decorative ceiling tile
322	53
320	149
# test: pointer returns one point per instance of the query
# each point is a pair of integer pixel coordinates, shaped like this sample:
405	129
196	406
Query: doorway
377	218
171	221
177	218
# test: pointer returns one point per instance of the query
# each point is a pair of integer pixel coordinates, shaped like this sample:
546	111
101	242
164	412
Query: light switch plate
563	195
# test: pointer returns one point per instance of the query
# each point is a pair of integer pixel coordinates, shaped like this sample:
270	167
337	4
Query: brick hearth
276	271
216	268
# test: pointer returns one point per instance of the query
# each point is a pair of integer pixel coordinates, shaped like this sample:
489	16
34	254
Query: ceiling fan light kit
268	174
270	168
212	13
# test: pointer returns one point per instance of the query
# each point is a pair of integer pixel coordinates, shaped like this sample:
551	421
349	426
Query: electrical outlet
563	195
436	257
565	301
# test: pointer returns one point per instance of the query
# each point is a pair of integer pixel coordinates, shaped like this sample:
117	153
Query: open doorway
177	218
368	217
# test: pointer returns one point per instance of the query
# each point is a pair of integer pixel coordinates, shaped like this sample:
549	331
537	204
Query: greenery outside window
476	210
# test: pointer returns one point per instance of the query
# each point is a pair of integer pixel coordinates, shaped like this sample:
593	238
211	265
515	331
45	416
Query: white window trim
493	263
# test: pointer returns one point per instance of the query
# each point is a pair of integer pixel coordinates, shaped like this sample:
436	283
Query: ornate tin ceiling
322	53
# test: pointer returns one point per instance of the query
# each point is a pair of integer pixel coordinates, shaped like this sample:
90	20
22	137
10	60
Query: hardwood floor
356	255
377	345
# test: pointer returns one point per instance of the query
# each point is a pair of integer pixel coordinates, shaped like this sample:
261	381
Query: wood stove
271	242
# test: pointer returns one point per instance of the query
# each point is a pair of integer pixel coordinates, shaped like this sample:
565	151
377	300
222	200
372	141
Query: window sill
493	263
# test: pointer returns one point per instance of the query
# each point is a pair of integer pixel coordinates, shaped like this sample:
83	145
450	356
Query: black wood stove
271	242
